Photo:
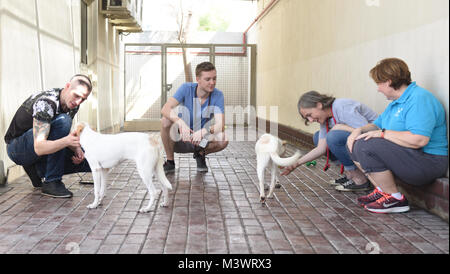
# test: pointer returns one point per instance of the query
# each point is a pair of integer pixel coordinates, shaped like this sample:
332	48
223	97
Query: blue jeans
53	166
336	141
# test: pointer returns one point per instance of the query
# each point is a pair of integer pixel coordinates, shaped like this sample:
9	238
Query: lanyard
195	111
327	165
334	120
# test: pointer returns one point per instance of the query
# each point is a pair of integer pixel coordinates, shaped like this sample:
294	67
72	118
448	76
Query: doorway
154	72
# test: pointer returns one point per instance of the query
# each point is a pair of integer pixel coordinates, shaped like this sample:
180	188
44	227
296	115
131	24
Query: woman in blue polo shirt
408	140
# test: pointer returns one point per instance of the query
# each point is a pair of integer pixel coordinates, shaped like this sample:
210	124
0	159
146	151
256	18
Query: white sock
379	189
397	195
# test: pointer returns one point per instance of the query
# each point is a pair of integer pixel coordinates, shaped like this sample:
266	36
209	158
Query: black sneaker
339	181
32	174
56	189
201	162
350	185
168	167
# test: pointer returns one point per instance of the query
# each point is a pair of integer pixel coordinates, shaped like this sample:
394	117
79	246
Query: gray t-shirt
349	112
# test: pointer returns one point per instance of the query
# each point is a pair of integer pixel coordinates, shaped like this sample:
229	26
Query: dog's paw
93	205
145	210
164	204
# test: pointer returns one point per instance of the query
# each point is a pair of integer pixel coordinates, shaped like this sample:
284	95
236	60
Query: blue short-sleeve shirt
186	96
419	112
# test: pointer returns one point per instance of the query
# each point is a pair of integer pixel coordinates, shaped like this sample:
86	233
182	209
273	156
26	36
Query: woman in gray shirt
337	118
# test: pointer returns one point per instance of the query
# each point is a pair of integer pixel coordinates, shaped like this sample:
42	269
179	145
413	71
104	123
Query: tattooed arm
42	146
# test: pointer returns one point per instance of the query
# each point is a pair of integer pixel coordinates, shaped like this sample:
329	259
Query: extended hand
197	137
288	169
369	135
72	140
351	140
185	131
78	157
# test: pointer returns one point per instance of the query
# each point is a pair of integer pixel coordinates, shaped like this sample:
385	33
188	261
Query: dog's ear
79	129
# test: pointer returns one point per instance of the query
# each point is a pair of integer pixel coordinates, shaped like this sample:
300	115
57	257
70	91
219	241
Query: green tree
212	22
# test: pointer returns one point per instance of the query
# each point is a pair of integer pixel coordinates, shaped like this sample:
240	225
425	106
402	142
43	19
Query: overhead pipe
261	14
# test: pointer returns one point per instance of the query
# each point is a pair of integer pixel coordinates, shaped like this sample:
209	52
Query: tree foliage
212	22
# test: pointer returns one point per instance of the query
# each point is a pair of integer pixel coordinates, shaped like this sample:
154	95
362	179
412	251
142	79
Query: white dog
104	151
267	148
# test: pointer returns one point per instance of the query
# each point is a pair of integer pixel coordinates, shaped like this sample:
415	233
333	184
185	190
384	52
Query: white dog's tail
285	161
161	174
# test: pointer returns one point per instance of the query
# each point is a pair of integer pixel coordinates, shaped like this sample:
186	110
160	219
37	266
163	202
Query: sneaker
339	181
201	162
372	197
56	189
350	185
32	174
168	167
388	204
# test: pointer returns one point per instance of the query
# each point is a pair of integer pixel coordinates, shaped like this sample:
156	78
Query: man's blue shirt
186	96
418	111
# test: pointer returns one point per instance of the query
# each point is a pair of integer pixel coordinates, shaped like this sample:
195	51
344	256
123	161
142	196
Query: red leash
327	165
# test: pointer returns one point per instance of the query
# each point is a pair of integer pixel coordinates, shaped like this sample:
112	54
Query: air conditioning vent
115	3
117	7
126	15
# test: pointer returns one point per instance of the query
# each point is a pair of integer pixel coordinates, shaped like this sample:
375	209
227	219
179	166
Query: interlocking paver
214	212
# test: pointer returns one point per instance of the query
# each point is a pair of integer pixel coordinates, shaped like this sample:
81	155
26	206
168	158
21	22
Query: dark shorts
412	166
183	147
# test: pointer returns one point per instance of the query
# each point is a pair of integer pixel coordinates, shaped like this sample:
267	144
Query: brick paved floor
214	212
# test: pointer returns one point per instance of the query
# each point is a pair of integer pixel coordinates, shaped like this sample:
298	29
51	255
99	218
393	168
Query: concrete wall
40	49
103	58
330	46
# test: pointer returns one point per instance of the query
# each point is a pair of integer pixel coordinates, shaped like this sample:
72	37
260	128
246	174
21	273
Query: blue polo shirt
188	100
418	111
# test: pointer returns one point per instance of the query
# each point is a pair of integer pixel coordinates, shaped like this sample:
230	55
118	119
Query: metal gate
154	72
